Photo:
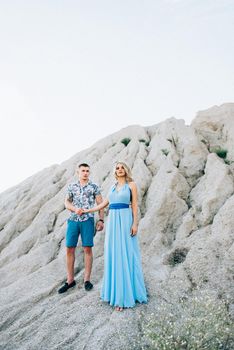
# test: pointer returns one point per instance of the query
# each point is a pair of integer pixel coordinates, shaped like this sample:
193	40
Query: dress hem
129	307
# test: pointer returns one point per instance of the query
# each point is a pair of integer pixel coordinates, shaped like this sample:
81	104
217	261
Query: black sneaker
66	286
88	285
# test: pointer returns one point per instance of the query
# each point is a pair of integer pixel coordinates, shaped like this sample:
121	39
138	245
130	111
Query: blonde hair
127	171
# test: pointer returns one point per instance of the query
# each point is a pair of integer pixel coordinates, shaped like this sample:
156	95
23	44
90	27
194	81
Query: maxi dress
123	281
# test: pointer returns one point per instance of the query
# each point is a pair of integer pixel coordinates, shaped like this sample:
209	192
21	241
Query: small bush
142	140
206	143
126	141
173	140
200	322
228	162
104	178
177	256
147	143
165	151
222	153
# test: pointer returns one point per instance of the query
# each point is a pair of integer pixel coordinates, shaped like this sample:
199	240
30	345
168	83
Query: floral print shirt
82	197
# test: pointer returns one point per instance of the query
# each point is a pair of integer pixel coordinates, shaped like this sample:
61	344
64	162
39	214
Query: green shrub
173	140
104	178
147	143
228	162
200	322
165	151
177	256
142	140
126	141
222	153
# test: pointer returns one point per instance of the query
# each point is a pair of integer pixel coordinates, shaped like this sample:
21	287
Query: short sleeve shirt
82	197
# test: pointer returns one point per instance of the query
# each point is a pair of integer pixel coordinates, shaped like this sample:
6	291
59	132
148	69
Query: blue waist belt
118	206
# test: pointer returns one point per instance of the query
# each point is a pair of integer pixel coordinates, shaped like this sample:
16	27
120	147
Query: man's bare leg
88	260
70	264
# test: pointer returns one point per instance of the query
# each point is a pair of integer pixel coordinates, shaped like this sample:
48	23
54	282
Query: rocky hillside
185	177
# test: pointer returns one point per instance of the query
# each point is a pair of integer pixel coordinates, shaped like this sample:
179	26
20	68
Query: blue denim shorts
83	228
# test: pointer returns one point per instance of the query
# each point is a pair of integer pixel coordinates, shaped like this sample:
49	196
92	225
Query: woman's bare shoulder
132	185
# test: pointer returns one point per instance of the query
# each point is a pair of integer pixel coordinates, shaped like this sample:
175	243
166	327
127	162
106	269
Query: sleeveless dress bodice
120	196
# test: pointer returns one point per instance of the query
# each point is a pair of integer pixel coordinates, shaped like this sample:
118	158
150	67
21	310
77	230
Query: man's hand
79	211
99	225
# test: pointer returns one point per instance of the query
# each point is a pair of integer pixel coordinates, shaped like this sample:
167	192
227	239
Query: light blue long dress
123	282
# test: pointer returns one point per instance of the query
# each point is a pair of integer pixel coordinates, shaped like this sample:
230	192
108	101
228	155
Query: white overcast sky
72	72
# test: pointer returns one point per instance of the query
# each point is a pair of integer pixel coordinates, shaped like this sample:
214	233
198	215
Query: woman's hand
79	211
134	230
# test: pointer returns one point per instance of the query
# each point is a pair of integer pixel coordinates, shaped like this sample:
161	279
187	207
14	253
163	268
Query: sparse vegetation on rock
126	141
186	220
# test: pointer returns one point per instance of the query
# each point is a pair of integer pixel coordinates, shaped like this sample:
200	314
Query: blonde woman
123	282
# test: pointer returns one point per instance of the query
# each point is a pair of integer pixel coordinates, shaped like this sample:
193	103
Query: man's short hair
83	164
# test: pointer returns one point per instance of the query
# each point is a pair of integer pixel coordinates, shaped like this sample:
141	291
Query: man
81	194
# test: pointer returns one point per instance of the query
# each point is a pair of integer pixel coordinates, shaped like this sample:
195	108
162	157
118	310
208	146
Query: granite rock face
186	233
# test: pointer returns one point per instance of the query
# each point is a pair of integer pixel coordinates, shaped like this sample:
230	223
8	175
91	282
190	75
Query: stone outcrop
186	220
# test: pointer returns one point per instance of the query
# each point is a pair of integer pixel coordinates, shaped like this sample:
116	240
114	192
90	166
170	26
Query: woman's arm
98	207
99	201
133	188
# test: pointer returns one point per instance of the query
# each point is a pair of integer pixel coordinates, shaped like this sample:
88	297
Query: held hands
99	224
80	211
133	230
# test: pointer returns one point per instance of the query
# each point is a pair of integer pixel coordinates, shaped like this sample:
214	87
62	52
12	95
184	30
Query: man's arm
69	206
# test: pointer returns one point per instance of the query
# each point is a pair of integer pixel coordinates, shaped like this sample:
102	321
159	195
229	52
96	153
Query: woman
123	282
